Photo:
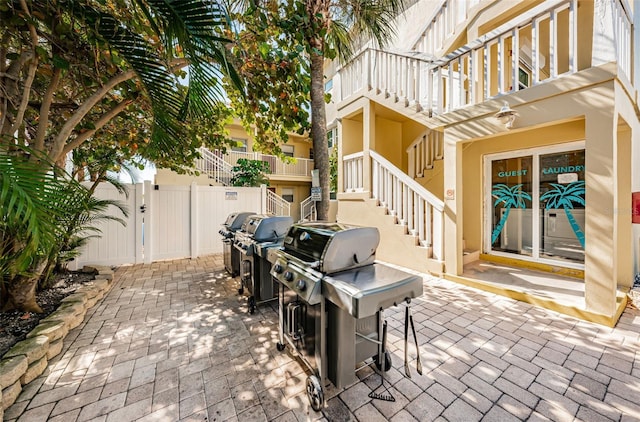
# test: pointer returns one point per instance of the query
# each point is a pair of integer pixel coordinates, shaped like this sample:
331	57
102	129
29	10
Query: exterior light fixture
506	115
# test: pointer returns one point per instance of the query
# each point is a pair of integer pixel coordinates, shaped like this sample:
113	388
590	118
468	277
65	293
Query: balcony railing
442	25
539	45
299	167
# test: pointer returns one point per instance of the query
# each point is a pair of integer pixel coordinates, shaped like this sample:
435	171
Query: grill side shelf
363	291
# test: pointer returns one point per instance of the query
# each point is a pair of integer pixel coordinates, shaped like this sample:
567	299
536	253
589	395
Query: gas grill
259	233
231	255
327	277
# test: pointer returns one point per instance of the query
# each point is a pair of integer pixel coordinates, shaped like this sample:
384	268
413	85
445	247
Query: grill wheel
314	393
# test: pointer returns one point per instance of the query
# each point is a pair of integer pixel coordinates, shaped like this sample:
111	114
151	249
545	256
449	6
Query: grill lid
263	228
332	247
235	220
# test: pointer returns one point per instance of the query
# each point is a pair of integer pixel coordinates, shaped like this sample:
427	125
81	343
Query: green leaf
60	62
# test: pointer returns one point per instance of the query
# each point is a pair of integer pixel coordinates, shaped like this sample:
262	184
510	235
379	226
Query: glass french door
534	204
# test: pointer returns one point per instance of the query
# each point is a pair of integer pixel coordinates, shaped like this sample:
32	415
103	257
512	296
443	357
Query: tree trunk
21	294
319	130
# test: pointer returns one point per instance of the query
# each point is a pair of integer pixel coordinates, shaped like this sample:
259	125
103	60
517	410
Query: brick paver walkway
172	341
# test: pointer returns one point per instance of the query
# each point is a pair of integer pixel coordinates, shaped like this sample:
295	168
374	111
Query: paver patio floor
172	341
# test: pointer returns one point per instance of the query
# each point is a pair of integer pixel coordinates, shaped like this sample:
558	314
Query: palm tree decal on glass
564	196
512	197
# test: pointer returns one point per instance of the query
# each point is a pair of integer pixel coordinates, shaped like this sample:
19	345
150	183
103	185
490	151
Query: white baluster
421	203
438	238
428	234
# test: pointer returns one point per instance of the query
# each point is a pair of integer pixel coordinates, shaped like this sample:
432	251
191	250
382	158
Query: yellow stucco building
498	143
290	182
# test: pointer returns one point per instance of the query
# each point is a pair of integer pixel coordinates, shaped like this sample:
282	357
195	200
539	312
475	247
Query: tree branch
61	139
45	107
33	66
103	120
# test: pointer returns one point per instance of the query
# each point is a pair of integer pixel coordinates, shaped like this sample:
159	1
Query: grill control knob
278	268
288	275
301	285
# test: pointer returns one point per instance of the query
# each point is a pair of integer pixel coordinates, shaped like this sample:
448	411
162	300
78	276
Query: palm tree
512	197
564	196
69	67
330	28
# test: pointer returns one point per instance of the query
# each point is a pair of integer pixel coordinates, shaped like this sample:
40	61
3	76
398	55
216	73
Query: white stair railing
352	166
424	151
484	69
214	166
277	205
308	210
411	204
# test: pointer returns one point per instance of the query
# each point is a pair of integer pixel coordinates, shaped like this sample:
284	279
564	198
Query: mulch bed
15	325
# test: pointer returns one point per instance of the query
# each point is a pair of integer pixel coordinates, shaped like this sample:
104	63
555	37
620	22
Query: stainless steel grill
231	255
328	278
259	233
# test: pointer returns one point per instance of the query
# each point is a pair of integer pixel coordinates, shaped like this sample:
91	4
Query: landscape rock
104	277
34	370
89	269
55	347
54	330
11	370
75	297
10	394
68	316
32	348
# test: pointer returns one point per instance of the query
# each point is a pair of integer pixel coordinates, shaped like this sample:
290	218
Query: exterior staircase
427	86
218	170
410	213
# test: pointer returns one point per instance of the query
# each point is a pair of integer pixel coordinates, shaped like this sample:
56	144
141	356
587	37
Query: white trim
487	228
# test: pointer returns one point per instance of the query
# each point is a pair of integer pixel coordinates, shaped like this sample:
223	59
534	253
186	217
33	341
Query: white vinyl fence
167	222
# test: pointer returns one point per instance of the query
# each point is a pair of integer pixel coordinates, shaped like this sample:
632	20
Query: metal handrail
308	209
277	205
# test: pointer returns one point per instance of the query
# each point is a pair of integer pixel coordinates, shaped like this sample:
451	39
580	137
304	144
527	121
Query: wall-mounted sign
316	193
450	194
635	207
231	196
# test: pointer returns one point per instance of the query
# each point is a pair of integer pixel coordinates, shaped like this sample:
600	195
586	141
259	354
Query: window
241	145
311	153
332	137
287	194
287	150
328	86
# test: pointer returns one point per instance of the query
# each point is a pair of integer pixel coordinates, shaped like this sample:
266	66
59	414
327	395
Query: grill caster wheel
314	393
280	346
241	290
387	362
252	305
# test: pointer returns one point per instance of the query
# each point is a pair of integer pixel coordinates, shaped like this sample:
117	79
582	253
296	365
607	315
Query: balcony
297	169
538	46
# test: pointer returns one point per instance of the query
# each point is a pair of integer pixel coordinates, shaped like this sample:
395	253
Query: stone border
28	359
